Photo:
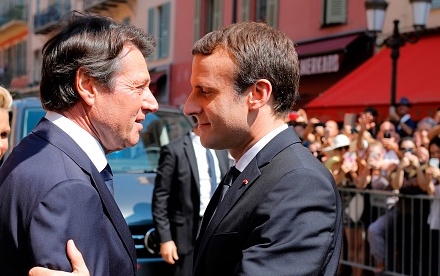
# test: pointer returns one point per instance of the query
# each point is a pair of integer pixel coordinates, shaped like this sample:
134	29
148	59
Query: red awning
418	79
324	46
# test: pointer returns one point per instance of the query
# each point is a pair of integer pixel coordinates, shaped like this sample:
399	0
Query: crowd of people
396	155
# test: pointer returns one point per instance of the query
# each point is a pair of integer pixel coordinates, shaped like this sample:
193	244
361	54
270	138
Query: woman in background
5	129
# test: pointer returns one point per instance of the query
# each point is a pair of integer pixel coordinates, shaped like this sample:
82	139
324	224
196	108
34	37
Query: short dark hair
260	52
435	141
91	42
372	111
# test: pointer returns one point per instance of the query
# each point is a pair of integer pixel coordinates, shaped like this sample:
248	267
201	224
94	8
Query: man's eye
4	135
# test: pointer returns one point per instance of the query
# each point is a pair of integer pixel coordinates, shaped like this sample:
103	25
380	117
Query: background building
330	35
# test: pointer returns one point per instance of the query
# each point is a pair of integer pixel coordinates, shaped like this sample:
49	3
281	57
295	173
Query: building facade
330	36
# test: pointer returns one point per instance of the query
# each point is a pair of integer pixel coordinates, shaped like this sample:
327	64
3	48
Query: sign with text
319	64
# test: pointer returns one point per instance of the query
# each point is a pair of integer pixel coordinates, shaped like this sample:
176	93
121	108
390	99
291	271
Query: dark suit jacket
281	216
50	192
176	196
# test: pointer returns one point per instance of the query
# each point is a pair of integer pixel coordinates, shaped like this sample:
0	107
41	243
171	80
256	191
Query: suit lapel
250	174
58	138
191	155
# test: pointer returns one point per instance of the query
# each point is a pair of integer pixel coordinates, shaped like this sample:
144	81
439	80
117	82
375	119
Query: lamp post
375	18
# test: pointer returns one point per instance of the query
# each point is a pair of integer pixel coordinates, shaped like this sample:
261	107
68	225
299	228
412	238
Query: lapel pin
245	182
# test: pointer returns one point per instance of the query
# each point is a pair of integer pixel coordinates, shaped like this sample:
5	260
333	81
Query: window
208	17
260	11
14	59
335	12
159	27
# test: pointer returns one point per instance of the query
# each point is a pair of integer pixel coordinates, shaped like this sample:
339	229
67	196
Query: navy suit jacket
176	196
50	192
281	216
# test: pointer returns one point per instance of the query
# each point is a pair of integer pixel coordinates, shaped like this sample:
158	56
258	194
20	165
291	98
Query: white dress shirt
202	166
85	140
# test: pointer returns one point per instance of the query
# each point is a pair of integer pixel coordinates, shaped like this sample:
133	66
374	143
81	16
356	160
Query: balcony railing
15	13
46	19
97	5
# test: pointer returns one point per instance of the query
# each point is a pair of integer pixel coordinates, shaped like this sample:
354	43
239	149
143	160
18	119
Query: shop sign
319	64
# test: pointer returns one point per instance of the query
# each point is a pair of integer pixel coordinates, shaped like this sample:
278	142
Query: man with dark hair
278	205
94	88
401	118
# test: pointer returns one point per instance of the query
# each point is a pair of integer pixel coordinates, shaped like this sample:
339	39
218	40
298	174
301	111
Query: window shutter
217	14
196	22
272	13
165	31
245	10
335	12
150	28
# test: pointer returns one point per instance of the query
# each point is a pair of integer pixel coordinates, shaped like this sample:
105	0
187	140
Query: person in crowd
316	150
407	179
424	126
389	138
437	116
410	179
95	89
401	118
331	129
5	128
343	166
432	173
187	176
245	79
342	163
314	130
370	118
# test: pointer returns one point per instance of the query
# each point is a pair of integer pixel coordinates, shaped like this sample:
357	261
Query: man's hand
168	250
78	264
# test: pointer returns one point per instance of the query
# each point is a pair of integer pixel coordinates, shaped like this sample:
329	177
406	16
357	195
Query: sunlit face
402	110
222	115
331	127
434	151
387	127
117	116
5	129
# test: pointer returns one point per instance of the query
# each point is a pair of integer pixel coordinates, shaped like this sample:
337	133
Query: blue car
134	171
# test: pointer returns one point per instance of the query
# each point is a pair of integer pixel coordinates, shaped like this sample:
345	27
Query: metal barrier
394	226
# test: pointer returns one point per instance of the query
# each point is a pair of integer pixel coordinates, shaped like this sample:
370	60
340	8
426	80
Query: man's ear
85	86
260	94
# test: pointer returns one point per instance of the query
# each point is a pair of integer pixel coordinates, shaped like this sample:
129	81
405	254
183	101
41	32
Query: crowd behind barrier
388	175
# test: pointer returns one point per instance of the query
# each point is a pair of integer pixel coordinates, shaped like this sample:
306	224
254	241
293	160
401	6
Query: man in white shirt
183	187
95	88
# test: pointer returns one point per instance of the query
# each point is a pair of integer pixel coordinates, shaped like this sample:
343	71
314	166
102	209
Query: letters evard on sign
319	64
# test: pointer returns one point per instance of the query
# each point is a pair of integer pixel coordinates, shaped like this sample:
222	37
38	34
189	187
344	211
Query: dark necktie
228	180
107	175
211	171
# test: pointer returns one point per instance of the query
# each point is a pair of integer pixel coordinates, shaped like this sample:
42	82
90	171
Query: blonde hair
5	99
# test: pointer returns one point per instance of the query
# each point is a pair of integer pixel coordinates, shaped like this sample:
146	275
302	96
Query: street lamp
375	18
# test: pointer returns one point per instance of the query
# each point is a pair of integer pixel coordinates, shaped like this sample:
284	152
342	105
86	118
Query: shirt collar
253	151
85	140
